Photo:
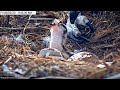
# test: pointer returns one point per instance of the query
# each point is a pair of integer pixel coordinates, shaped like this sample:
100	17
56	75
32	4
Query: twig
106	45
110	25
7	21
27	24
21	28
41	18
10	58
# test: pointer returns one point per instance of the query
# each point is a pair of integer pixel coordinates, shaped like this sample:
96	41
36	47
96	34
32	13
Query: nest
18	60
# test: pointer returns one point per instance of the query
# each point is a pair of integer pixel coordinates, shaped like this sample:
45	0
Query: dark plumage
78	26
73	16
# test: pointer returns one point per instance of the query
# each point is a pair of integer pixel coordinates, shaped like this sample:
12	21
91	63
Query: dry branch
41	19
28	28
10	58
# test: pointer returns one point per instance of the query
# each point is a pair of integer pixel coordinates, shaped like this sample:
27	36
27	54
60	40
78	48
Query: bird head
55	21
55	24
73	15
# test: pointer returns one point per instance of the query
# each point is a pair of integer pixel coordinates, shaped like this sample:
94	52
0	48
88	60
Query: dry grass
104	43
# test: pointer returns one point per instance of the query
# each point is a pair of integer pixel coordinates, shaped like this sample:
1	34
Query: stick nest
22	61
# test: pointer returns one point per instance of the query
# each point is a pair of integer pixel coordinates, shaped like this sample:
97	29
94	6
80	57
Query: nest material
25	61
48	66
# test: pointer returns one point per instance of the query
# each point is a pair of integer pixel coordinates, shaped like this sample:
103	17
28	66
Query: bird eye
52	24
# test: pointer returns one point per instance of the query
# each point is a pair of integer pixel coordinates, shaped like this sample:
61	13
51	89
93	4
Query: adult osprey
78	26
